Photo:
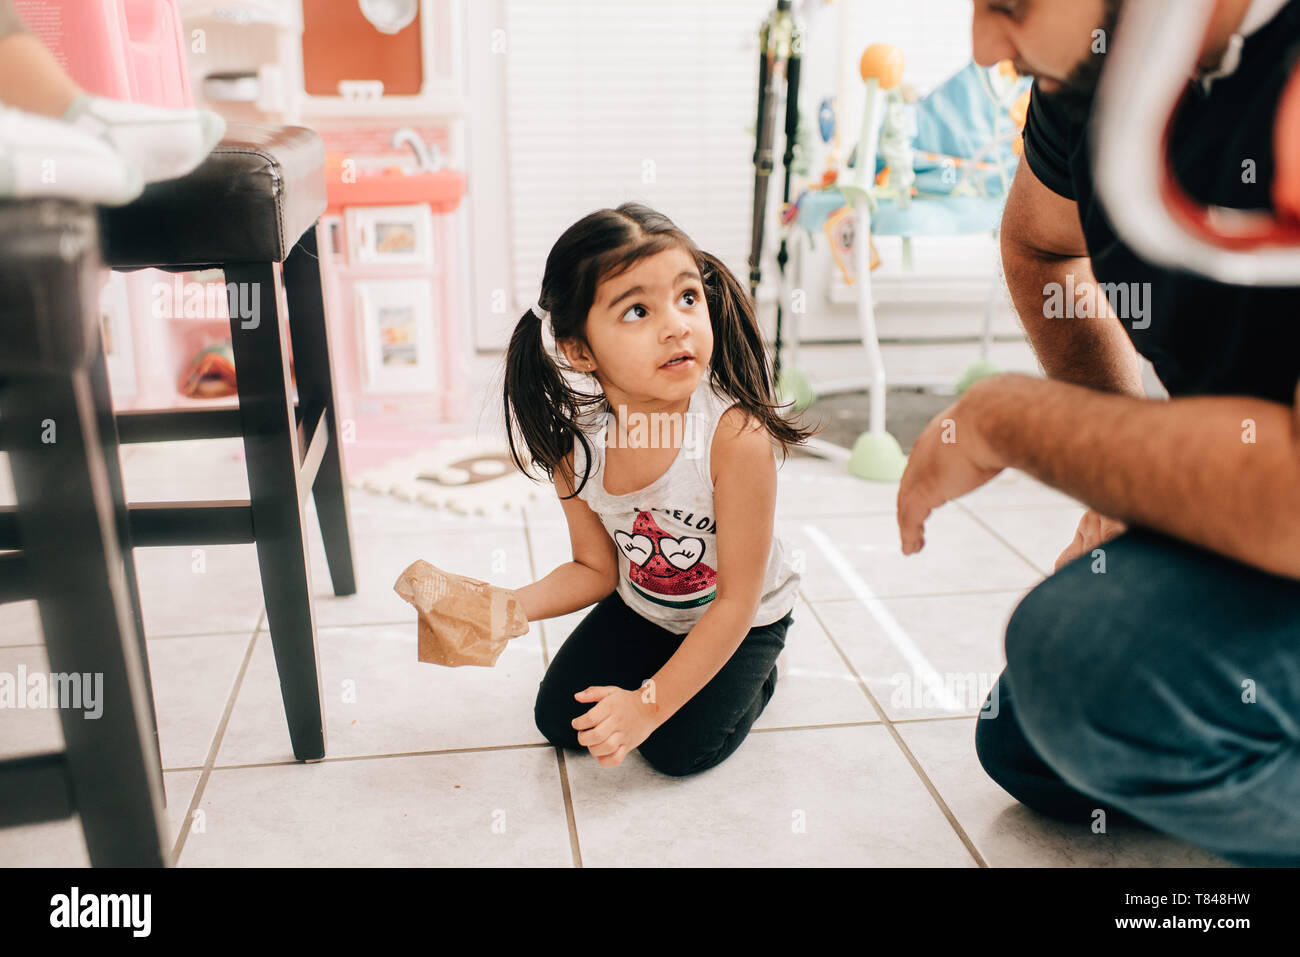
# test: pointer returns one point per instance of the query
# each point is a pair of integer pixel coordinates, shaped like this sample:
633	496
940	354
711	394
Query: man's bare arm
1221	472
1042	242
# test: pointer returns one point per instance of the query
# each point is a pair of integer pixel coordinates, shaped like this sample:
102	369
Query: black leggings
615	646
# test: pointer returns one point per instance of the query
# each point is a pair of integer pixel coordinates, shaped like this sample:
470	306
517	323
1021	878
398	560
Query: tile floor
431	766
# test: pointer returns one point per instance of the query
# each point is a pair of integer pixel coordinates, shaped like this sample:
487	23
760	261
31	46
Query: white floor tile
62	844
492	808
494	554
814	686
1039	534
192	682
1008	834
818	487
826	797
959	555
25	730
379	699
20	624
1012	488
925	657
199	589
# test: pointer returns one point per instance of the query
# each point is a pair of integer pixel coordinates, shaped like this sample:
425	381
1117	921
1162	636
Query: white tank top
666	534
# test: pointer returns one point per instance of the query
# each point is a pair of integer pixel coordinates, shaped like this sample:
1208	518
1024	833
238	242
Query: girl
667	478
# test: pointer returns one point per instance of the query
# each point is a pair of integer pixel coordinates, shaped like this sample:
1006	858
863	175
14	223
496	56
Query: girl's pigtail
540	406
740	364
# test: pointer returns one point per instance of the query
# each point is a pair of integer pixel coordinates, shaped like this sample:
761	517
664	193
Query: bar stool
249	209
251	206
70	526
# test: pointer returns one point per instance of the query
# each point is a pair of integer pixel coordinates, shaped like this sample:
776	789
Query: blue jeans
1164	690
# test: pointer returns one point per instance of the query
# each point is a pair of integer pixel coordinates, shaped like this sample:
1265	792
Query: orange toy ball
1286	147
882	62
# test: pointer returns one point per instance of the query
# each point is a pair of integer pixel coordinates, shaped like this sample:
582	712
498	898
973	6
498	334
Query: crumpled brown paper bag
463	621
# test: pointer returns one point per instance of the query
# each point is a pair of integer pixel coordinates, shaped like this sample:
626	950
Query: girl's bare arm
589	577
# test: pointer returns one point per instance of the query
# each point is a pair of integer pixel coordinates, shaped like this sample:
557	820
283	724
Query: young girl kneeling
667	477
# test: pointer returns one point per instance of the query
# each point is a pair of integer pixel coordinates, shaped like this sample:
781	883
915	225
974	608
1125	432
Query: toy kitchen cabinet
381	81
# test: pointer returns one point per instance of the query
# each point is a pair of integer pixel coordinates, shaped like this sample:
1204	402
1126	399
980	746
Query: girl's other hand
619	723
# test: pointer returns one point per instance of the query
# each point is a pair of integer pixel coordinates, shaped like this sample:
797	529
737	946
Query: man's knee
996	740
1069	648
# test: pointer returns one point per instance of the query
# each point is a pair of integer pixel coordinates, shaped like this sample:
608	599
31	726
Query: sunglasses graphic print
666	570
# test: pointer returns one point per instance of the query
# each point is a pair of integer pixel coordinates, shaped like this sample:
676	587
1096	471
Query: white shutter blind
616	100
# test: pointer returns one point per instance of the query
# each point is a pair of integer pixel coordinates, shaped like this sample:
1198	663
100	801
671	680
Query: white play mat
469	475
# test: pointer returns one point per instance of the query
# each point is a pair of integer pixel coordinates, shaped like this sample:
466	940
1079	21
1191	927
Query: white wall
935	38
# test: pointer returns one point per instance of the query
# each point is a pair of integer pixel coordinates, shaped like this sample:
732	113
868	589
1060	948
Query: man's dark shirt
1204	337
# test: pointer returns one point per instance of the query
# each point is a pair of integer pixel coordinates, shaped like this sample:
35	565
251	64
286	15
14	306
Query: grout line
992	531
488	748
215	746
293	762
888	724
201	634
972	716
561	766
816	727
568	808
928	594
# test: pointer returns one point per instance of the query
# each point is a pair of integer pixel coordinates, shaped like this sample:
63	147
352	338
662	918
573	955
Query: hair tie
539	312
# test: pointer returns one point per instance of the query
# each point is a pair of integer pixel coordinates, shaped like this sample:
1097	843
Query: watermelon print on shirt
666	570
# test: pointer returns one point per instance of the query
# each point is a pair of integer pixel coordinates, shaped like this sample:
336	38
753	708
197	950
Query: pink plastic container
125	49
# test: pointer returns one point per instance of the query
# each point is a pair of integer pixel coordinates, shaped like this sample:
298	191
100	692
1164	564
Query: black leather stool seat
248	202
48	258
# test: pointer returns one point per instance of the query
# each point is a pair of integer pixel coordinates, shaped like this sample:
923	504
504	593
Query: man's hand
619	723
950	459
1094	529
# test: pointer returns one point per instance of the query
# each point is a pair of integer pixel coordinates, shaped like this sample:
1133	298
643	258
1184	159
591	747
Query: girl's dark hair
542	407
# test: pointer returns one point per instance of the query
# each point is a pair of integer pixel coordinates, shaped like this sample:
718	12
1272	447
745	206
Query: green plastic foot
877	457
980	369
793	386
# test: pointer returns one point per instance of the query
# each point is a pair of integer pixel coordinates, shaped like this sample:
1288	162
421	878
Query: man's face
1055	41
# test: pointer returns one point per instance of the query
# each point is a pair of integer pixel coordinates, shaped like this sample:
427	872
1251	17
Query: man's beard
1075	93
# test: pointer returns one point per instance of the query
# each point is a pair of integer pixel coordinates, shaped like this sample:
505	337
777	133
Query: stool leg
67	522
309	337
107	424
272	457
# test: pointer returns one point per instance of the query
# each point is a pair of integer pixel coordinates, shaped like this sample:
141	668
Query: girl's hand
619	723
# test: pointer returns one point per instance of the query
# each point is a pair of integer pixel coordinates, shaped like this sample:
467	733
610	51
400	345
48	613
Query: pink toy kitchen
381	82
